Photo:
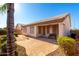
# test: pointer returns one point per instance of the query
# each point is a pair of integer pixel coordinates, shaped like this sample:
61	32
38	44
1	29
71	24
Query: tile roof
54	19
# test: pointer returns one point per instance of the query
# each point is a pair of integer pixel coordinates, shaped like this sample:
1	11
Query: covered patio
46	30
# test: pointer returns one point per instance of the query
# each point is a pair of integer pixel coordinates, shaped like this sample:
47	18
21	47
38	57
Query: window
32	29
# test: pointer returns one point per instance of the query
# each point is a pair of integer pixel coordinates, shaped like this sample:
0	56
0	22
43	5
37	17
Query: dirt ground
35	46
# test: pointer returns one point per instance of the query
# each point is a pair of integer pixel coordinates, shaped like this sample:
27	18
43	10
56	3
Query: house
59	25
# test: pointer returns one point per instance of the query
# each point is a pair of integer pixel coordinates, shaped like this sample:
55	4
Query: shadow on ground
54	41
21	50
57	52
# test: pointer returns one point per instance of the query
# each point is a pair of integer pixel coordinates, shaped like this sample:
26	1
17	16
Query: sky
26	13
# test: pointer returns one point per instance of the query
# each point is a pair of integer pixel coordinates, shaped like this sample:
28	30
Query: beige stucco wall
24	30
18	29
64	27
31	34
60	29
67	25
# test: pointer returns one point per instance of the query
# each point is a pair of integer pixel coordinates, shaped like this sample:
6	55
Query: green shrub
3	32
4	48
3	38
3	43
68	44
0	42
15	34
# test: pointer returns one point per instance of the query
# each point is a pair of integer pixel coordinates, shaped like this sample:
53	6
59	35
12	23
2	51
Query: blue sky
28	13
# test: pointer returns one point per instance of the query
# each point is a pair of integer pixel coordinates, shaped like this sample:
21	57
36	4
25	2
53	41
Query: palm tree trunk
10	30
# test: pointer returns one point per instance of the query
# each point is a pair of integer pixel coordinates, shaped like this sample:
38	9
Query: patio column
36	31
51	30
60	29
46	30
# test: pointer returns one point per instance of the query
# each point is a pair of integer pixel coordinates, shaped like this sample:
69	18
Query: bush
16	35
0	42
75	31
4	48
3	38
68	44
3	32
3	42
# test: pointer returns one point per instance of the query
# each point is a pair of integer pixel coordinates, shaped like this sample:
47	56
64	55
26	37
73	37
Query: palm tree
9	8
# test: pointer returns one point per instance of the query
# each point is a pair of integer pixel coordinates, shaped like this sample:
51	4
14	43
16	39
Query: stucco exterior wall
18	29
60	29
64	27
67	23
31	34
24	30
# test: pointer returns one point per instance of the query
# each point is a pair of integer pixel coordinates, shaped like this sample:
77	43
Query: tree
9	8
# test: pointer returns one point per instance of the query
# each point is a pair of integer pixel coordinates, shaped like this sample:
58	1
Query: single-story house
59	25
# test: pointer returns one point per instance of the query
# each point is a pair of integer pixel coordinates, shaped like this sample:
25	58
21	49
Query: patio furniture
52	36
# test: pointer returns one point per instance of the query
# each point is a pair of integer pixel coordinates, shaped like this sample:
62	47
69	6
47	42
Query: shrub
0	42
68	44
3	42
4	48
75	31
3	32
3	38
16	35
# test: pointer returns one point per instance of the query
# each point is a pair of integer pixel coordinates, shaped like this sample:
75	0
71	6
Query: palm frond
3	8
